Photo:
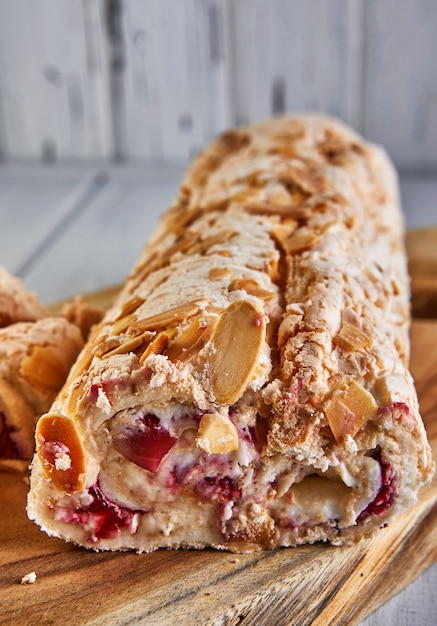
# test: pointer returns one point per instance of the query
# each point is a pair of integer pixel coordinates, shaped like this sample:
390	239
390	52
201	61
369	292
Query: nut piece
237	343
348	408
300	242
251	287
352	337
42	368
159	343
61	452
169	318
218	273
121	324
216	434
191	341
130	306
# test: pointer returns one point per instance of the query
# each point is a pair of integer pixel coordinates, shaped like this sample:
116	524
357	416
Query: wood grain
307	585
422	255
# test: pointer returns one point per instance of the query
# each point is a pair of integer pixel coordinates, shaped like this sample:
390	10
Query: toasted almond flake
159	344
171	317
218	273
127	346
237	344
191	341
57	437
348	408
130	306
292	210
121	324
352	337
204	245
106	346
251	287
281	232
300	242
44	369
217	434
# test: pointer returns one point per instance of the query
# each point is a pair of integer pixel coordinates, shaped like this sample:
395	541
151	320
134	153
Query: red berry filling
103	518
145	442
386	494
218	488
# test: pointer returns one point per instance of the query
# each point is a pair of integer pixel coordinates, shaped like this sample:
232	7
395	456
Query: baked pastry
249	388
16	303
35	358
83	314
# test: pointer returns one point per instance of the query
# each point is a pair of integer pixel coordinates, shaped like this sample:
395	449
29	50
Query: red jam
386	494
103	518
145	442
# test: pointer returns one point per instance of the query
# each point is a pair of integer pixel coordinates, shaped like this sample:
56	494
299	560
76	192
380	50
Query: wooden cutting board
315	585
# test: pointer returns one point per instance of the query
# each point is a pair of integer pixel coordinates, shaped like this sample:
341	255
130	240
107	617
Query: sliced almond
292	210
127	346
250	286
159	344
130	306
237	343
216	434
218	273
204	245
352	337
191	341
171	317
348	408
61	452
122	324
106	346
44	369
300	242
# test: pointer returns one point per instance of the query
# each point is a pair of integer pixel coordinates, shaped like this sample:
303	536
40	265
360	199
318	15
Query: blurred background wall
154	80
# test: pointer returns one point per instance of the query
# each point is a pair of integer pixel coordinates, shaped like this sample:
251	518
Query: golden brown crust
17	304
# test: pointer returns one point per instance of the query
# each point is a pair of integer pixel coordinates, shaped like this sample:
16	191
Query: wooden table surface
78	228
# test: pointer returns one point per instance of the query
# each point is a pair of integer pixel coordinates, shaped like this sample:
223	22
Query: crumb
28	579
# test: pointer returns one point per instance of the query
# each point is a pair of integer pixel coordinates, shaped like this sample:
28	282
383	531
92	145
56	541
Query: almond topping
251	287
171	317
203	246
130	306
121	324
127	346
159	343
44	369
300	242
264	208
191	341
348	408
217	273
106	346
216	434
237	343
61	452
352	337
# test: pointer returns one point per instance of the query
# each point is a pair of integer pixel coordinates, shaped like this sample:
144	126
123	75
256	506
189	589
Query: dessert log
249	388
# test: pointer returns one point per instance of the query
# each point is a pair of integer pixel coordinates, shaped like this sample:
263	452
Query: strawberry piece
105	519
145	442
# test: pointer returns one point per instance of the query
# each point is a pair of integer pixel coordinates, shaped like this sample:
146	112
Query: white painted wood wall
156	79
